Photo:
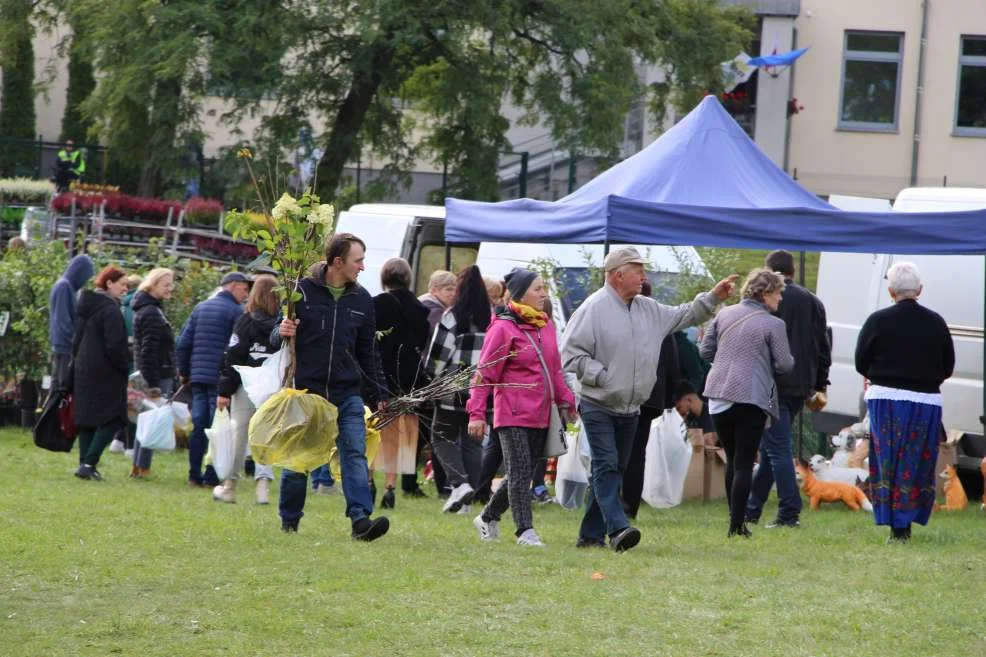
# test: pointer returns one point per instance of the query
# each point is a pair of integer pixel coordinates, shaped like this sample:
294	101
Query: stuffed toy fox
955	498
830	491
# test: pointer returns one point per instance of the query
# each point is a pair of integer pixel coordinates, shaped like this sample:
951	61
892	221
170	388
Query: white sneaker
116	446
530	538
466	510
326	490
129	453
461	494
488	531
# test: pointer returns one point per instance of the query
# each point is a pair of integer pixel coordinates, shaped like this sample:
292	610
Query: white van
853	285
417	233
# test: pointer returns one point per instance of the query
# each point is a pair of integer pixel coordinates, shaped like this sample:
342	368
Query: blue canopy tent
705	183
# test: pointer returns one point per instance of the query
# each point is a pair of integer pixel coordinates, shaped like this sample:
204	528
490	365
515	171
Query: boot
263	491
225	492
388	499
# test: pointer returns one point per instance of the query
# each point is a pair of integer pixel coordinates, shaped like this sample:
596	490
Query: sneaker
488	531
625	539
530	538
326	490
117	446
224	493
541	494
129	453
289	526
370	530
583	542
94	474
461	494
792	524
84	472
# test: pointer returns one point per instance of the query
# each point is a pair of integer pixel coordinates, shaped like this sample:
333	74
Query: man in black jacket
335	330
804	316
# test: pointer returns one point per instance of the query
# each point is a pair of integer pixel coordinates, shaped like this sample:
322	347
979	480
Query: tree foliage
403	79
81	83
17	118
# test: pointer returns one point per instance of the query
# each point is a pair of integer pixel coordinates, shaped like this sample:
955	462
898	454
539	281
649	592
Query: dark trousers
93	440
777	465
739	429
633	478
203	410
610	438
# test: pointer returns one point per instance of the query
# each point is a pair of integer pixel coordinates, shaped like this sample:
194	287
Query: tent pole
802	260
605	248
982	418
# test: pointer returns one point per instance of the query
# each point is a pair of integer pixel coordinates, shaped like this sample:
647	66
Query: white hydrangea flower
286	207
322	214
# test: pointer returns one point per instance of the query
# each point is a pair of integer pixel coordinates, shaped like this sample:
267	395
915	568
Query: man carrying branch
334	332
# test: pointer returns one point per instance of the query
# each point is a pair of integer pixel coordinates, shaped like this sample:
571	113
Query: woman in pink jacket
521	415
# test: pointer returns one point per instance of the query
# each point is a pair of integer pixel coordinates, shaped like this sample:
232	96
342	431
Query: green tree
81	83
17	119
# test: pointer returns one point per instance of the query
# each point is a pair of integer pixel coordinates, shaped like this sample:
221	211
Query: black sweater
905	346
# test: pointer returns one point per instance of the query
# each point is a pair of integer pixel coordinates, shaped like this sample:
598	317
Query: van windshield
575	284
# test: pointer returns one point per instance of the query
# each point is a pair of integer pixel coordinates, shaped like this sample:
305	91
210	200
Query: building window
970	106
871	66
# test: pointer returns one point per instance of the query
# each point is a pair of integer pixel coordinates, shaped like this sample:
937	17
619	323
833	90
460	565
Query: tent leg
982	418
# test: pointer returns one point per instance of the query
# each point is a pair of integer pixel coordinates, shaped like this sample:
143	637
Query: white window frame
870	56
966	60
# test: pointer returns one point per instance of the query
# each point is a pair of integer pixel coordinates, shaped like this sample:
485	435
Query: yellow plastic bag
295	430
372	445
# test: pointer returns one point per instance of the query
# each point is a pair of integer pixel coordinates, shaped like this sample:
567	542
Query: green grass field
151	568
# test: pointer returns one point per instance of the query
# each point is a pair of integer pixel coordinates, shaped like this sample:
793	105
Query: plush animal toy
830	491
843	444
825	471
955	497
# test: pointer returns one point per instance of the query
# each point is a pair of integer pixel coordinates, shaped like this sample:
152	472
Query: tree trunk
342	143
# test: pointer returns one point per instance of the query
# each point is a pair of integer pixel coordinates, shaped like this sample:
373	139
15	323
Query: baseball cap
235	277
625	256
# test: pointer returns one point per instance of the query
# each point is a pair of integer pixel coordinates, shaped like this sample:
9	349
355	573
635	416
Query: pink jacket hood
527	406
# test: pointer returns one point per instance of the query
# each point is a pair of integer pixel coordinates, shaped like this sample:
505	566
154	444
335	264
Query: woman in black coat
154	347
402	327
99	365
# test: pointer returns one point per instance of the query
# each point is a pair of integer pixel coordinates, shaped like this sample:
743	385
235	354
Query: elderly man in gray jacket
612	344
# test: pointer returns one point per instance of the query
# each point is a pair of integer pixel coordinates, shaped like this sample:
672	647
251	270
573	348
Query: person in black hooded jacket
154	347
249	346
99	368
402	330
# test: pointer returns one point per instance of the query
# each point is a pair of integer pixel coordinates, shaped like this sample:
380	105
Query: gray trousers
522	447
461	456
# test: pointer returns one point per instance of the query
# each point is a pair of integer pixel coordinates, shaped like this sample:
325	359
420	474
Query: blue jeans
322	476
777	463
203	409
610	440
351	447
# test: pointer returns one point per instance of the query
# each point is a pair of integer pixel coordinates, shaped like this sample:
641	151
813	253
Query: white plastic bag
222	444
182	416
667	457
572	478
156	429
260	383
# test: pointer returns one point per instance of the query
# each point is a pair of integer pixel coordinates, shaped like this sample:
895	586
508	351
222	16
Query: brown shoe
134	472
144	473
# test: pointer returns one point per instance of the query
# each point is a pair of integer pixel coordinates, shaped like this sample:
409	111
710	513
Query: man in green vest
71	165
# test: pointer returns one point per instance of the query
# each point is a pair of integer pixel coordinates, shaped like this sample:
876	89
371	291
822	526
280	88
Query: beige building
866	127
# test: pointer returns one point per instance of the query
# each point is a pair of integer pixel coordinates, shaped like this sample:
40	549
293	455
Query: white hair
904	278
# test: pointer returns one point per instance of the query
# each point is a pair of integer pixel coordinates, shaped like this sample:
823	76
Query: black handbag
48	432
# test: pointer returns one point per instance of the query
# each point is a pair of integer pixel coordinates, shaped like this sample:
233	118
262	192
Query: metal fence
36	158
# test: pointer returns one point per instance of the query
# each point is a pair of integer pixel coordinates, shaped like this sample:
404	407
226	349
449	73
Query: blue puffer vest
204	338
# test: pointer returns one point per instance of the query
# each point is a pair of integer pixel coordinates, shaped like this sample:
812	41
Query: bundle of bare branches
440	388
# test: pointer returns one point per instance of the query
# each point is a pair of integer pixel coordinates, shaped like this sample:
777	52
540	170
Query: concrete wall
770	128
831	160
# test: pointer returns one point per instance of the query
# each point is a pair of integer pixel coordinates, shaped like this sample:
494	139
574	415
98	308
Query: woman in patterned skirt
906	353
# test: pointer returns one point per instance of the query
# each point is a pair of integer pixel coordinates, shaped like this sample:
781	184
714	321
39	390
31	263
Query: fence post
174	242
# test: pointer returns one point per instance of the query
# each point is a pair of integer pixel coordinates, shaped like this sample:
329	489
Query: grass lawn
151	568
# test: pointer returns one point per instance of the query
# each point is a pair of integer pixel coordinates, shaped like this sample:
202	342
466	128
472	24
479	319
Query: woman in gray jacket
747	346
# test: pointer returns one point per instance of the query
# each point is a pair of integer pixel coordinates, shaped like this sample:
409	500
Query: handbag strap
722	336
544	365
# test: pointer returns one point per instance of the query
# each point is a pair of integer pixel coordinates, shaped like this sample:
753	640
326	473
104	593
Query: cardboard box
706	478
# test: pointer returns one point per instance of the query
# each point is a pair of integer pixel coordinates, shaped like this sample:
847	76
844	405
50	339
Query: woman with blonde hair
154	347
249	346
747	346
